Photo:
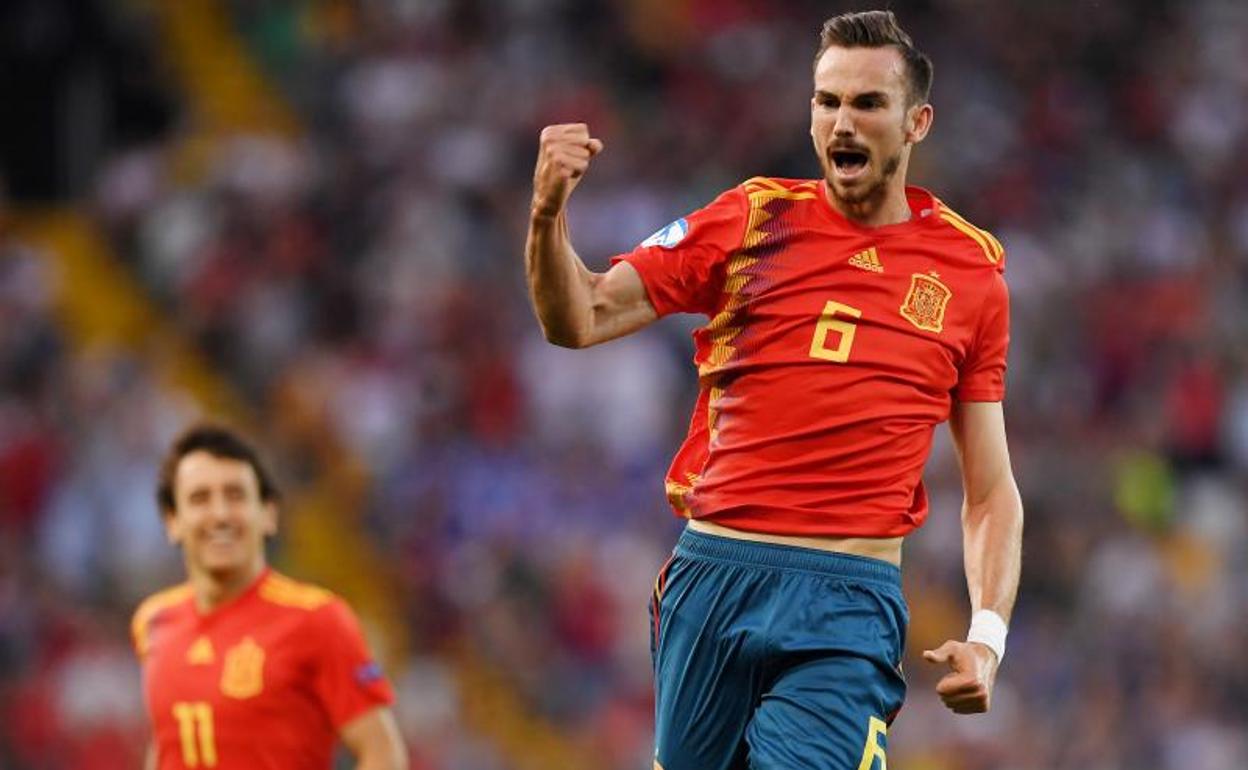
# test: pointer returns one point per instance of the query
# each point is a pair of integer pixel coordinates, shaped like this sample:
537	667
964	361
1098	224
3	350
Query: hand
967	689
563	156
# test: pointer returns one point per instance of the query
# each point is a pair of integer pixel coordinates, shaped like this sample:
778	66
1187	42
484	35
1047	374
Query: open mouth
849	163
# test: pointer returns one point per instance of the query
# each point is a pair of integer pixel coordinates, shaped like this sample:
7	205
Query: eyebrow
876	95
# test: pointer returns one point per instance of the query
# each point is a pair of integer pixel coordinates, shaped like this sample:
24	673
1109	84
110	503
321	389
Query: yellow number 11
828	323
199	743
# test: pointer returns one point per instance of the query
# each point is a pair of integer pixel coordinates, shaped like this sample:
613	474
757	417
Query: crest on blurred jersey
242	675
925	303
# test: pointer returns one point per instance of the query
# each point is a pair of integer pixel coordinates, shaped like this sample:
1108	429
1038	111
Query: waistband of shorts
702	545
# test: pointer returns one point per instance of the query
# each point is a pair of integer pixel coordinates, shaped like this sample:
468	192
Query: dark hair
218	441
877	29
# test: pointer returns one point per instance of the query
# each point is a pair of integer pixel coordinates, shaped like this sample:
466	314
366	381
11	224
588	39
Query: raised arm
575	306
992	533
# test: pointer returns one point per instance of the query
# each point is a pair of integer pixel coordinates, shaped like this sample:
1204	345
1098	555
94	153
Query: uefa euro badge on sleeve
367	673
669	236
925	304
242	676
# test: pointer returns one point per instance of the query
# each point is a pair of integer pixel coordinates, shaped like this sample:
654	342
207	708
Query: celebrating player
847	317
243	668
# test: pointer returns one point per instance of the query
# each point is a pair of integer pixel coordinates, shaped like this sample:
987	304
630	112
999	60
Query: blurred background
307	216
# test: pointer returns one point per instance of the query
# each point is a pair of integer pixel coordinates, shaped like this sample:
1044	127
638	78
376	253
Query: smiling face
863	127
219	517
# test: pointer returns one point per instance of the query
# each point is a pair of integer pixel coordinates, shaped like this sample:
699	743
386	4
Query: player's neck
214	589
891	207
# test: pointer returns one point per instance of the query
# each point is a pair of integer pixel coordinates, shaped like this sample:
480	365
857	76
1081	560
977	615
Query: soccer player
243	668
847	317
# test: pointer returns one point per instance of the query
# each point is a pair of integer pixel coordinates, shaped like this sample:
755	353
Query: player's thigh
826	713
705	667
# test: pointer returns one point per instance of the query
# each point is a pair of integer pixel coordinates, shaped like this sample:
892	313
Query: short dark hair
218	441
877	29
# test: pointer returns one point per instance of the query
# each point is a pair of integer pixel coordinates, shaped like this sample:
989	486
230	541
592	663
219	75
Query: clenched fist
563	156
967	689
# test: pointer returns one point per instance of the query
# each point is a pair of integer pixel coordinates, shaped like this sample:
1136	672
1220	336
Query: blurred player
243	668
848	316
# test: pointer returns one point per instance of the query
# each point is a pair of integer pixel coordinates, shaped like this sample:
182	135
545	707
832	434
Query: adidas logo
200	653
867	260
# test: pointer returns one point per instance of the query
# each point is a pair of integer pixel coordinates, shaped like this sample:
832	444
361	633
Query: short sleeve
348	680
982	375
682	265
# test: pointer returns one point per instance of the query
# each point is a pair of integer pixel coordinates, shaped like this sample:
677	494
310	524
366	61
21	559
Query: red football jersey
832	352
265	681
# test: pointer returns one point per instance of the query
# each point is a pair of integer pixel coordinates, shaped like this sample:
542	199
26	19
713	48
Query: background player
848	317
243	667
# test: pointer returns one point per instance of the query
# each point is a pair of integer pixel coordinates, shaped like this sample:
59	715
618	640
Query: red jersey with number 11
264	682
831	353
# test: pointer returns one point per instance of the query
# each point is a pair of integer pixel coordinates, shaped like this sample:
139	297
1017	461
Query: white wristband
988	629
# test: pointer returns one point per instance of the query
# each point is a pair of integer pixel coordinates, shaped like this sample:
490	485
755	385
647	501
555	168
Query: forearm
560	286
992	548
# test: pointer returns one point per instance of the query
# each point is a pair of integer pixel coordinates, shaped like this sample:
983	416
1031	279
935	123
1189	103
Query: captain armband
989	629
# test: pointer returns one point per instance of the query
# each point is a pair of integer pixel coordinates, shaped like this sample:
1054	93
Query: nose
843	126
218	509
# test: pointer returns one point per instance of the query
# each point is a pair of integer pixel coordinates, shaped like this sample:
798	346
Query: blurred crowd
368	268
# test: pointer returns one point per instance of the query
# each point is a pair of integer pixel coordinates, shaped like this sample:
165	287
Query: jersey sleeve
146	614
348	680
682	265
982	375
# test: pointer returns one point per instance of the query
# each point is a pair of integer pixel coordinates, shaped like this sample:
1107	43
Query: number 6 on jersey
828	322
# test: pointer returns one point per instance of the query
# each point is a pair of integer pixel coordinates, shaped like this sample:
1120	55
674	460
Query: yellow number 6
828	323
876	729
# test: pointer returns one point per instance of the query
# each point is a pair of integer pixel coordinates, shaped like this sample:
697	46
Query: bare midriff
883	548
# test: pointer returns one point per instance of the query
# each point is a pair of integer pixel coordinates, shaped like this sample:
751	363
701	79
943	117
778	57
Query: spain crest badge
242	675
925	303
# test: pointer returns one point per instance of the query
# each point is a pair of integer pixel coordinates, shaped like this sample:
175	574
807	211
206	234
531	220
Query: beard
871	191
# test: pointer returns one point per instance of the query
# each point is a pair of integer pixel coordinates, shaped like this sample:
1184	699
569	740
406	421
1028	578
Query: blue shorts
772	657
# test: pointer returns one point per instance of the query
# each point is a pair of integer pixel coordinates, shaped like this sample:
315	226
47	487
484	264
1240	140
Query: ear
173	530
269	524
918	122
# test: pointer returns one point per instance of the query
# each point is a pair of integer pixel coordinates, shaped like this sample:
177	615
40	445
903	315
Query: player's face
861	122
220	519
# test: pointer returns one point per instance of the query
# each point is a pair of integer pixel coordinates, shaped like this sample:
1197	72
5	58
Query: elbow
1001	501
565	338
